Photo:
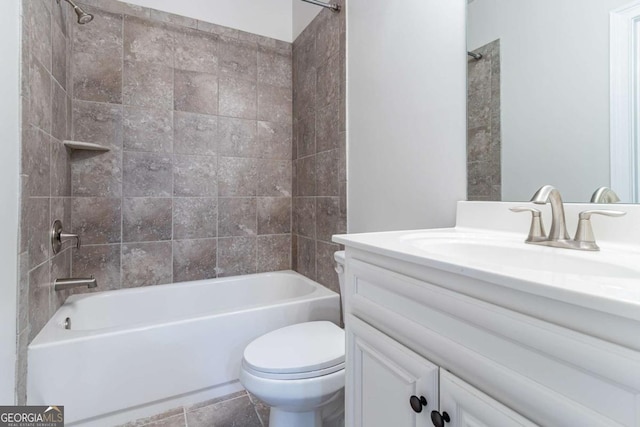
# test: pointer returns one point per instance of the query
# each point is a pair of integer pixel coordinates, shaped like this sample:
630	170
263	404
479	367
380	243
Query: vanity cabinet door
465	406
387	385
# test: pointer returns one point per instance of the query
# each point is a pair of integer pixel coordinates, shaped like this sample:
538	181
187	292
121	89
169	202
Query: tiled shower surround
199	178
45	173
319	151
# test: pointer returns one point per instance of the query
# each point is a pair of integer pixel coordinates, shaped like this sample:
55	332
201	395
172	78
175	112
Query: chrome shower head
83	17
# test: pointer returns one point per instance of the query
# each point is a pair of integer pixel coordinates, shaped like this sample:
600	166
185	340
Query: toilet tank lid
303	347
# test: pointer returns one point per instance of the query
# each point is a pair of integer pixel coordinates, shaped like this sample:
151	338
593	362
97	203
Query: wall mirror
554	98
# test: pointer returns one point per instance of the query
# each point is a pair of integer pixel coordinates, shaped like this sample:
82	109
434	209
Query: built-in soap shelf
89	146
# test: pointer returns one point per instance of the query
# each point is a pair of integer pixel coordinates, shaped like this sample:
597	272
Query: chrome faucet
64	284
550	194
558	237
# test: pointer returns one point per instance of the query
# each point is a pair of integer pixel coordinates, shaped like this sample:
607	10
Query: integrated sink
504	257
499	254
486	253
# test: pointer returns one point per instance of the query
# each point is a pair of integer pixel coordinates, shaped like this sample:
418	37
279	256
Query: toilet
299	371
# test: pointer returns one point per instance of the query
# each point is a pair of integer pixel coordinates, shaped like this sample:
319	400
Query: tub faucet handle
66	236
536	231
58	237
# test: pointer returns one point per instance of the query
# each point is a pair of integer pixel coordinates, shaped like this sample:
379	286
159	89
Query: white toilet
298	371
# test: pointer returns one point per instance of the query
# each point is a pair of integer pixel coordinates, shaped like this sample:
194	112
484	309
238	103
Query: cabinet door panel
469	407
383	376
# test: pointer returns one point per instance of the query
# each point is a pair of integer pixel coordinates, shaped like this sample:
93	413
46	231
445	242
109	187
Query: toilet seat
304	350
294	375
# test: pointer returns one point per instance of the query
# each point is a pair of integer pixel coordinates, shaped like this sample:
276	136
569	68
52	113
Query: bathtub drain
67	323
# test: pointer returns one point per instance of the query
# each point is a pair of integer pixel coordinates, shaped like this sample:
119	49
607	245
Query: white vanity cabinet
385	376
465	406
394	386
413	330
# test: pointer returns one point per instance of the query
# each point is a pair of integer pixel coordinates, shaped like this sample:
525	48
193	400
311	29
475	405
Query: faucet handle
584	234
587	214
57	237
536	231
65	236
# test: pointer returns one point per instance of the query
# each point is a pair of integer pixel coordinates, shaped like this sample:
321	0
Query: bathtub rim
176	285
53	333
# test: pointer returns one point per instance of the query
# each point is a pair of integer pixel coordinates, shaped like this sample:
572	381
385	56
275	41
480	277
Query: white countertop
608	280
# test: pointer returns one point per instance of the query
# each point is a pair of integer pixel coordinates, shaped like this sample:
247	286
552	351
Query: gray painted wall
406	113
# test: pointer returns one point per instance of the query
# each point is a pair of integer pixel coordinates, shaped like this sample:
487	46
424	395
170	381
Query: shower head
83	17
332	6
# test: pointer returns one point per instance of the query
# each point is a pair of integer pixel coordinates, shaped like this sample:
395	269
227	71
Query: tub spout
63	284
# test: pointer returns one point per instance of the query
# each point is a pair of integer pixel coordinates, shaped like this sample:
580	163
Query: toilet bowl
299	372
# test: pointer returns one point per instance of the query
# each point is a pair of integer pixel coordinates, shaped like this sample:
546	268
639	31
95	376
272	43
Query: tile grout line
119	285
315	156
217	210
173	159
257	98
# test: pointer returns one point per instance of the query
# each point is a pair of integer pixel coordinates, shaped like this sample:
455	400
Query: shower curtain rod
332	6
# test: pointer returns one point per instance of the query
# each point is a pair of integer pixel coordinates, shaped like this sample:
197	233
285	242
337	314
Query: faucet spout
549	194
64	284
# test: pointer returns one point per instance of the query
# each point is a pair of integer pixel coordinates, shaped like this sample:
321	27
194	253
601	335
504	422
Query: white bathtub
137	352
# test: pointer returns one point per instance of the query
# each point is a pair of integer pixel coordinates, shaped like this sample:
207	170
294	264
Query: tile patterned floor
235	410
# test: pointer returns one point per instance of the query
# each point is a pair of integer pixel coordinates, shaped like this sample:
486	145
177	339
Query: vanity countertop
608	280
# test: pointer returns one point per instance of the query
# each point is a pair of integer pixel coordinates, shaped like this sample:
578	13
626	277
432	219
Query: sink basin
518	255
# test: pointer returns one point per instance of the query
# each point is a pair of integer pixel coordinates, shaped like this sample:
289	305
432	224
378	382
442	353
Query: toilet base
280	418
329	415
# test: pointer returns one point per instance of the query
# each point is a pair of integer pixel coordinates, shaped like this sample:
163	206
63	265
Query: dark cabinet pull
439	420
417	403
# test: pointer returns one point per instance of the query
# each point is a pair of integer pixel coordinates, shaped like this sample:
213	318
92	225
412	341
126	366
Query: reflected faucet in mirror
604	195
